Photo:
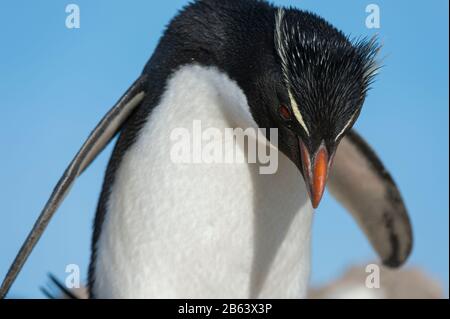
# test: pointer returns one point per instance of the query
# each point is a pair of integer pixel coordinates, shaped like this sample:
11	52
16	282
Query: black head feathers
326	74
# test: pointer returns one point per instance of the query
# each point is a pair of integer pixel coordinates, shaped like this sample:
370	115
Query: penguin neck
225	41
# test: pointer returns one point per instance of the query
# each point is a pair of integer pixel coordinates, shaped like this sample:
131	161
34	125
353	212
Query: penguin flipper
360	182
105	130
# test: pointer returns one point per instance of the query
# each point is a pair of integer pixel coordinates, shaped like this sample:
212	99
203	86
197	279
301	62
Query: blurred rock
404	283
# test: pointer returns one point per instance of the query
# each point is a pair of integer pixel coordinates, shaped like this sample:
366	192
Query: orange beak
315	172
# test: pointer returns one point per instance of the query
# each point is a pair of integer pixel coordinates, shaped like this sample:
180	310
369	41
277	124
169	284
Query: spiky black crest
327	74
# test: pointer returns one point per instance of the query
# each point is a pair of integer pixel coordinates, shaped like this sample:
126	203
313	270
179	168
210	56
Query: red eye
284	112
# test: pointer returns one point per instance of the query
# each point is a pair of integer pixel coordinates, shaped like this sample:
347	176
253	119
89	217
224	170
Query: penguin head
318	89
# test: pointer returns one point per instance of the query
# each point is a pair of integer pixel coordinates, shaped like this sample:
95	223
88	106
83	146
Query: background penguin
169	230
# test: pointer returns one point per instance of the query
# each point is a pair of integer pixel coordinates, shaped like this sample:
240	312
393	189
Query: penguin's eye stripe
350	121
297	113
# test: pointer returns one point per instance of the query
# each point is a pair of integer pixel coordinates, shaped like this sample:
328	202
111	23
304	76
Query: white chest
202	230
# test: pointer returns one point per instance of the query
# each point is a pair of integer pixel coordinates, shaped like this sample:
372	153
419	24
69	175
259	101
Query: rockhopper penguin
170	230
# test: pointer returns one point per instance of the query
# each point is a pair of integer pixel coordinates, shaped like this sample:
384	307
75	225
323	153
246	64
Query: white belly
202	230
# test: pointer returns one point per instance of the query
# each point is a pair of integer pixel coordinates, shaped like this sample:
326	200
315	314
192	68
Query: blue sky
56	83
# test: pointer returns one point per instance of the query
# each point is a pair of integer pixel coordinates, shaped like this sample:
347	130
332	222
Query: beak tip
315	201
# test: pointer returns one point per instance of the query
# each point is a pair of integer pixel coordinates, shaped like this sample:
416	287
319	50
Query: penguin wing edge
105	130
361	183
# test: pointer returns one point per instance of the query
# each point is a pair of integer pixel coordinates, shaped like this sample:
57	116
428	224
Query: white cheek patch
297	113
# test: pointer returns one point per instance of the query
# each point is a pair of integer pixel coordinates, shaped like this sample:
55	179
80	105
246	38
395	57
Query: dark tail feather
47	293
63	292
